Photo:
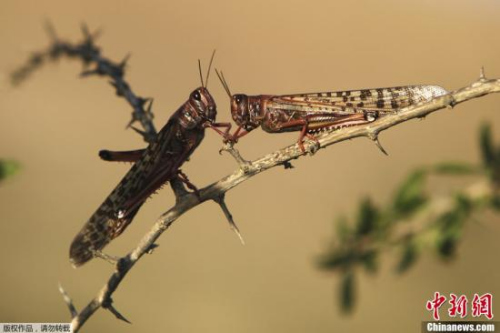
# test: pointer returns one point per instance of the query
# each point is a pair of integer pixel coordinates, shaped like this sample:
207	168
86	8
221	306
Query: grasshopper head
199	109
244	111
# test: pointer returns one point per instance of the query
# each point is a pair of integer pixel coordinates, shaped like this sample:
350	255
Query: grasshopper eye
196	95
237	98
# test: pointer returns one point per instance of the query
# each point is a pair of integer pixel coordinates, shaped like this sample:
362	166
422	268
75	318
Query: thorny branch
91	57
185	201
217	190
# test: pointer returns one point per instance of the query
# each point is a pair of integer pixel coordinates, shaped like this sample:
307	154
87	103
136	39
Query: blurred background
201	278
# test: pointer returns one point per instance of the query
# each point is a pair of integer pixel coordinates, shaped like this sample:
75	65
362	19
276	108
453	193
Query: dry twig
217	190
92	58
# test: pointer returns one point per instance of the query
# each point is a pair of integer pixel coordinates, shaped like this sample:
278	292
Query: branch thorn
244	164
90	37
222	203
141	101
68	301
85	31
108	304
123	63
150	107
144	134
374	138
131	122
86	73
377	143
51	31
482	77
151	248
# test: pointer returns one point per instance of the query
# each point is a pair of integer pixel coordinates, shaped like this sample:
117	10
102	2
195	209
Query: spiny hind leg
297	124
304	133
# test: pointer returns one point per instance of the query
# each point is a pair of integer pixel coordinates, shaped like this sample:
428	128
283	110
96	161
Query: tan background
201	279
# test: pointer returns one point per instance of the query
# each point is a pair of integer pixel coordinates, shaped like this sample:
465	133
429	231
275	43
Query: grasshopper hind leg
121	156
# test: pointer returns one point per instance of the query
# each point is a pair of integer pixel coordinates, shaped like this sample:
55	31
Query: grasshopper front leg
216	126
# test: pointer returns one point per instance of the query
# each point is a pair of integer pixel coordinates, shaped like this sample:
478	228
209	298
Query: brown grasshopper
312	113
154	166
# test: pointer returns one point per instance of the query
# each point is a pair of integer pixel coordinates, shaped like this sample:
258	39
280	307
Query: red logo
458	306
435	304
481	305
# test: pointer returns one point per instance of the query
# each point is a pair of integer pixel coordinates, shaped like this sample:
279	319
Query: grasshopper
154	166
312	113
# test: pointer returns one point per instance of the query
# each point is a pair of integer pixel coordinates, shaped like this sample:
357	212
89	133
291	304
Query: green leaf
451	222
455	168
447	246
410	196
367	217
369	261
408	258
347	292
464	204
448	222
335	260
8	168
450	226
487	146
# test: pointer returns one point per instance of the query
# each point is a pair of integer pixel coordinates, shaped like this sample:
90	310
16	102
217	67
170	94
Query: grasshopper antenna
209	67
223	82
201	75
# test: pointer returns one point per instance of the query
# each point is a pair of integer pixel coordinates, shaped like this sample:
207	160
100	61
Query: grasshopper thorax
199	109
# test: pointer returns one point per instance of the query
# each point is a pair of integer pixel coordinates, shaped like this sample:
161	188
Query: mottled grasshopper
312	113
153	167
